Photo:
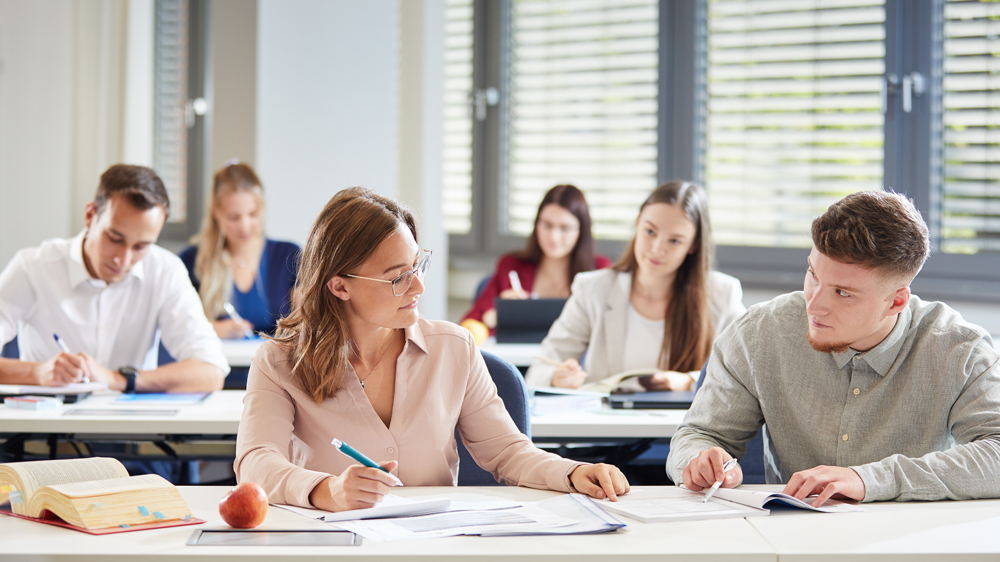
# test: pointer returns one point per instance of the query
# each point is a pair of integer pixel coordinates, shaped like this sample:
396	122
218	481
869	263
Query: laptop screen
526	321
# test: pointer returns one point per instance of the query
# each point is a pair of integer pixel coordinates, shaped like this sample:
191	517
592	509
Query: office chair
482	286
10	350
514	393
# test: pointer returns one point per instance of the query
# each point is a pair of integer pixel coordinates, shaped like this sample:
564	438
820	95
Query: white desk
886	531
240	352
219	414
720	541
518	354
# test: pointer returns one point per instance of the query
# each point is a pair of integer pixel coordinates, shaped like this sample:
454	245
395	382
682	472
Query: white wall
328	116
36	128
326	104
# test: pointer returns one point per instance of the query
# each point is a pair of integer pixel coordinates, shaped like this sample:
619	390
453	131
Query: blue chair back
514	393
482	286
752	462
10	350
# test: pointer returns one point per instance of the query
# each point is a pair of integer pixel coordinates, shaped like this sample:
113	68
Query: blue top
270	297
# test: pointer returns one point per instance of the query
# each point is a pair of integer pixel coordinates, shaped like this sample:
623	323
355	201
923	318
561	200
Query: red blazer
501	282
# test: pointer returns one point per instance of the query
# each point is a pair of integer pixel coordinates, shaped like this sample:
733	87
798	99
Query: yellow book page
35	474
111	486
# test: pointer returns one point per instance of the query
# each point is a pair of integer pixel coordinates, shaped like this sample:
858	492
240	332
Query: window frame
912	145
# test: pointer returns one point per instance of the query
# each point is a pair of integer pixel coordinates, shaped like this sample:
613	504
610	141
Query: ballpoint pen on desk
515	281
361	458
235	316
730	464
64	347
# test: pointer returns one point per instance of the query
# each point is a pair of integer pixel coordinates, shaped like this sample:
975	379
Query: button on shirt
917	416
47	290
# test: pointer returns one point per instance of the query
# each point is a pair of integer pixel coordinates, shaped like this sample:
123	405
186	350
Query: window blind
170	96
970	195
794	119
457	158
582	108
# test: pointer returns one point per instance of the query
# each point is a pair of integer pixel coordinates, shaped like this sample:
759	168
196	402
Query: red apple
245	506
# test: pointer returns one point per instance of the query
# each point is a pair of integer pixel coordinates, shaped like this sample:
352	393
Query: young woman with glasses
560	246
355	362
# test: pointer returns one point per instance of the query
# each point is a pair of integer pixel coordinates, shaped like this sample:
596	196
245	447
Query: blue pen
64	347
358	456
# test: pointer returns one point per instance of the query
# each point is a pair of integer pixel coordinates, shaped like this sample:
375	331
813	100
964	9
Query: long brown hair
687	334
211	266
347	232
568	197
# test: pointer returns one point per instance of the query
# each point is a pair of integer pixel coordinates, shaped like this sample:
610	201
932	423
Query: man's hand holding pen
708	467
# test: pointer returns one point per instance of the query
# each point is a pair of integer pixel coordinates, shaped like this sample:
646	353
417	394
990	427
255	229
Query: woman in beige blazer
355	362
659	308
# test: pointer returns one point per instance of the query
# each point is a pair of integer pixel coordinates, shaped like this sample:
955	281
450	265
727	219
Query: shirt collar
881	357
416	335
78	268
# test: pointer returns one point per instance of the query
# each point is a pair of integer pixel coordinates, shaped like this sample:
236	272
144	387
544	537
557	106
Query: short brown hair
880	230
139	185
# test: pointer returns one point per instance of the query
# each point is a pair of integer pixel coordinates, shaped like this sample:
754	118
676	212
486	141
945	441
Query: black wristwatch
130	374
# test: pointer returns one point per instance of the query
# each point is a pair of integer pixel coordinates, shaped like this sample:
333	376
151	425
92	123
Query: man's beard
827	347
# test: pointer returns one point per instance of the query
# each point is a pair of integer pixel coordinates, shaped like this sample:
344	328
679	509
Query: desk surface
25	540
885	531
219	414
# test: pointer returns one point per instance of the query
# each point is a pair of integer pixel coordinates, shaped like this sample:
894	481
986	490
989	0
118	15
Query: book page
758	498
35	474
609	384
111	486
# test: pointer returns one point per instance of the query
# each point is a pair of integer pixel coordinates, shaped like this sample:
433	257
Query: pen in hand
64	347
361	458
730	464
235	316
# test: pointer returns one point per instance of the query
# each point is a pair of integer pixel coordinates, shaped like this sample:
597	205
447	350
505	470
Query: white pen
64	347
515	281
235	316
730	464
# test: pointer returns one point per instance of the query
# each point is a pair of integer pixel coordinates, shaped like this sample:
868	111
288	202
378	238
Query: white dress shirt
48	290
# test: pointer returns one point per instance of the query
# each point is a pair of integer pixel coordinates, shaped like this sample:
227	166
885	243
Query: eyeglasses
402	283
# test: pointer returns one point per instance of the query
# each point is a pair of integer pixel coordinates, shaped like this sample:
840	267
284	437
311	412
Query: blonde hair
346	233
211	267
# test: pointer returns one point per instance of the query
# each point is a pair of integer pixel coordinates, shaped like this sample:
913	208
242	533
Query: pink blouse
283	442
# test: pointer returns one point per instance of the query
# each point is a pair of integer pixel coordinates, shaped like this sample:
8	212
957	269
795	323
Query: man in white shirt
110	294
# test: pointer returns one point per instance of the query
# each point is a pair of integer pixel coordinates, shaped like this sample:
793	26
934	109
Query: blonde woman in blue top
233	262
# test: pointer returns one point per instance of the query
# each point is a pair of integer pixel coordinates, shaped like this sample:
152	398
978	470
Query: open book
610	384
90	493
668	503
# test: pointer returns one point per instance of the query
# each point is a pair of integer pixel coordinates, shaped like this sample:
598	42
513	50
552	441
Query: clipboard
273	537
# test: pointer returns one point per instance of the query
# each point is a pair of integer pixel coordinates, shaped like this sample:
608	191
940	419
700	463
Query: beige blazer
442	383
595	317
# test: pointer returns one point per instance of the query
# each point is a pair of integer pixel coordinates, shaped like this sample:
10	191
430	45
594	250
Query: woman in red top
560	246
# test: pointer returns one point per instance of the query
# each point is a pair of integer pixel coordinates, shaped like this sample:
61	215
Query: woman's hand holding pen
568	374
358	487
707	468
599	481
229	329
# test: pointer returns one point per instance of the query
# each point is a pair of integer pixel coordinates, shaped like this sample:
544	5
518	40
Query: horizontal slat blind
170	96
970	214
583	107
457	159
793	113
